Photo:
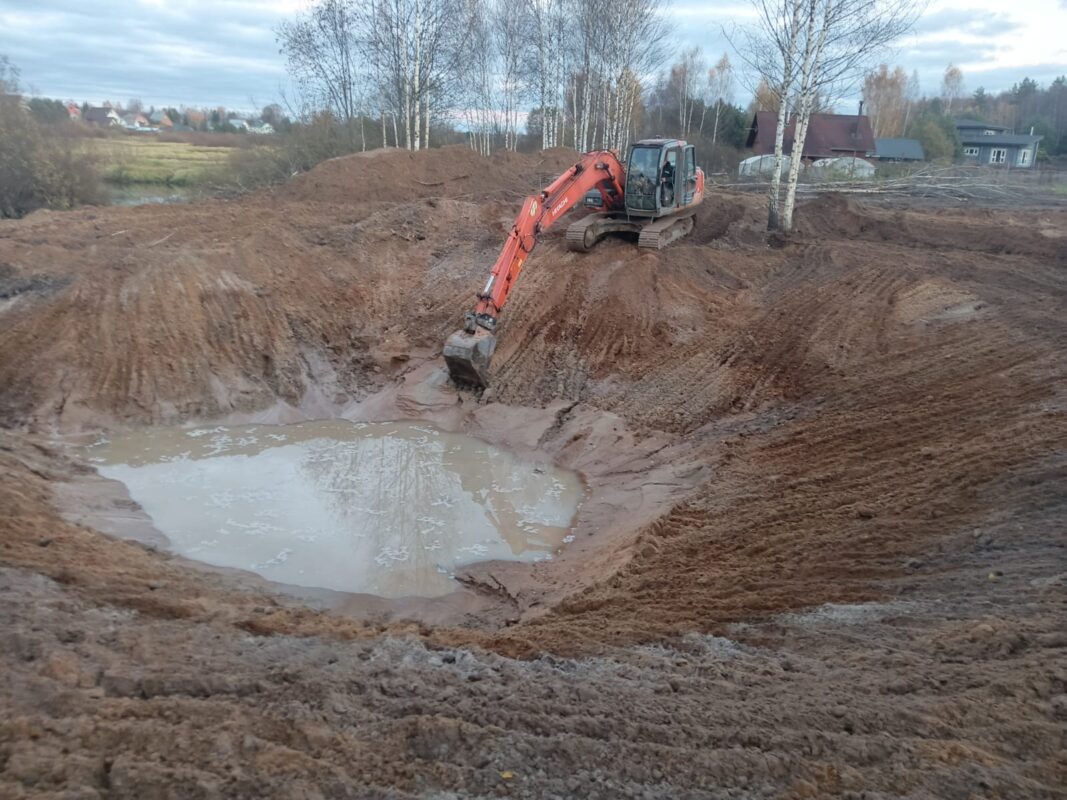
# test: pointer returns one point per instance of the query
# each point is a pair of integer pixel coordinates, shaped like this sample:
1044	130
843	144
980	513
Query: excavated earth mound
823	553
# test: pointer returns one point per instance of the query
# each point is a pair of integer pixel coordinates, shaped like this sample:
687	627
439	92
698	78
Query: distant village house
829	136
135	120
160	119
101	116
898	150
995	145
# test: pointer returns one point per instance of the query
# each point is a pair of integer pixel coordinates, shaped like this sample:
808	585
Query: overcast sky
223	52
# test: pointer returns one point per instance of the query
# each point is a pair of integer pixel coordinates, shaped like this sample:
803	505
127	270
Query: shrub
40	168
302	148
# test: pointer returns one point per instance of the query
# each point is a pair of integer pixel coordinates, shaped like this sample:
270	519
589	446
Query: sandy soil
825	554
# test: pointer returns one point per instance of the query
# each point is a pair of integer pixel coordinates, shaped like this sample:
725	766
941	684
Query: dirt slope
876	408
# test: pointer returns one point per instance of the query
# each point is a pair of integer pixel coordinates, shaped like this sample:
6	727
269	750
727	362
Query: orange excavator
654	196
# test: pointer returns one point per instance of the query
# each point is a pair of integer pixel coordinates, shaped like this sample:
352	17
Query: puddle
390	509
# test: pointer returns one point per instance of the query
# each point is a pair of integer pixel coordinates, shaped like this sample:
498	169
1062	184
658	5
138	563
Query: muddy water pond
390	509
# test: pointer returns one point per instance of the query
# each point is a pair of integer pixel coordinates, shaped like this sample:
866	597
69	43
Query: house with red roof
829	136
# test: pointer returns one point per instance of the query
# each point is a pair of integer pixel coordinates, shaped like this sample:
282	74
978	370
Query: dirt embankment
872	409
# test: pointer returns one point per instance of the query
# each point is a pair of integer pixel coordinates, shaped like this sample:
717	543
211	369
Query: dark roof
977	123
829	135
97	115
904	149
999	138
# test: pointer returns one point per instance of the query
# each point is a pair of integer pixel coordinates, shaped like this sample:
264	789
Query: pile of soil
833	564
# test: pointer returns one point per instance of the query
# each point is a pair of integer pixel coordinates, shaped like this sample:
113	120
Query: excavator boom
468	351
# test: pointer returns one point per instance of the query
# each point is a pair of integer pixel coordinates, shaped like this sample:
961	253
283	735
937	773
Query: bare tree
477	77
9	77
320	53
619	41
512	30
550	35
412	50
807	50
911	97
884	93
718	90
771	48
685	83
951	86
838	40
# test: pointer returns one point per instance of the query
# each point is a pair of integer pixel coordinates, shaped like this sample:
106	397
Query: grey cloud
974	22
922	57
204	54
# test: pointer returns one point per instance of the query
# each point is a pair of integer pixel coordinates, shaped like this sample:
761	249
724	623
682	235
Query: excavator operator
667	181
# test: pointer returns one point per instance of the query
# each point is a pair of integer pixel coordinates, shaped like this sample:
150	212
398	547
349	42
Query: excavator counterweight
655	197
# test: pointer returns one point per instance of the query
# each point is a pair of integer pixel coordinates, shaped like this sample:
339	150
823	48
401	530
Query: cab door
672	187
688	191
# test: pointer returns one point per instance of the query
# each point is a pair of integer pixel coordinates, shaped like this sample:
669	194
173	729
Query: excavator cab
660	177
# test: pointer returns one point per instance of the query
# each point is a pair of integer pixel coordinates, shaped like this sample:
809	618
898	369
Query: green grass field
144	160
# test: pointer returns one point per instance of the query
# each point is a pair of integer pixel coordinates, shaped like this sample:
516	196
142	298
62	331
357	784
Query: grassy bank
139	159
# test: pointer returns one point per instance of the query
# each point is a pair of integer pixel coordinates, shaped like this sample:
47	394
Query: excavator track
657	235
586	232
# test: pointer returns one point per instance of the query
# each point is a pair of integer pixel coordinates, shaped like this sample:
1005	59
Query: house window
998	155
971	151
1024	157
990	133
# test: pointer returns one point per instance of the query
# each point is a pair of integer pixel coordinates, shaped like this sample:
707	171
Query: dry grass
137	160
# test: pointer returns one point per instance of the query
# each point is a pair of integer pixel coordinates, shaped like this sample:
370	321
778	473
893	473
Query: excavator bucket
467	356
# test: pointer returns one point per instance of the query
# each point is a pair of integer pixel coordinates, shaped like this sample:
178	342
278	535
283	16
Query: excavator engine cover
467	356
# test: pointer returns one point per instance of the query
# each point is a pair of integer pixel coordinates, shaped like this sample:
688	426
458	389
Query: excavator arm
468	351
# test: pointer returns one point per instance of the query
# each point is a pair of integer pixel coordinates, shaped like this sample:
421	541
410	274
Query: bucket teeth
467	356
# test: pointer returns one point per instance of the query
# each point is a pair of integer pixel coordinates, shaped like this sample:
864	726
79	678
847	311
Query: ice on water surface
385	508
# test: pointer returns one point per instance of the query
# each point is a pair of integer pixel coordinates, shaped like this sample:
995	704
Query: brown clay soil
824	555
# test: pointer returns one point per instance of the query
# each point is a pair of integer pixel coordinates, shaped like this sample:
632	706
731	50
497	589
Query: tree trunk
800	134
773	216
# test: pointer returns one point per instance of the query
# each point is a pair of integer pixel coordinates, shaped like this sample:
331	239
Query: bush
937	133
38	167
302	148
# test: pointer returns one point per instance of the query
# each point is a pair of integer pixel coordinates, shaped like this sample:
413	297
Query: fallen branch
441	183
160	241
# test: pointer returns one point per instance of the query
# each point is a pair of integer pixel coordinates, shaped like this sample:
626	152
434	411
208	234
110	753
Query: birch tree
838	40
911	97
416	46
512	29
685	80
719	88
816	48
320	53
618	41
770	48
951	86
552	59
884	93
477	75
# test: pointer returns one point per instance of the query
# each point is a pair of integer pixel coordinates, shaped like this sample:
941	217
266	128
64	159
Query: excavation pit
390	509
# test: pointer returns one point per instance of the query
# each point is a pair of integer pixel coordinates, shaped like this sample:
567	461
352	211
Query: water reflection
386	508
